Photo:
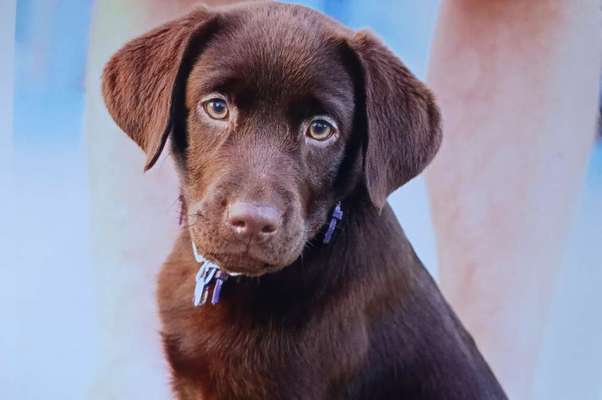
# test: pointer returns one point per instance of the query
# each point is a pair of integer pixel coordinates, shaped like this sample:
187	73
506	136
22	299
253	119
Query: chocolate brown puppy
276	114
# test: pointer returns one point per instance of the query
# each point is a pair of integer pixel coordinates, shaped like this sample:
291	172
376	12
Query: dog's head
275	112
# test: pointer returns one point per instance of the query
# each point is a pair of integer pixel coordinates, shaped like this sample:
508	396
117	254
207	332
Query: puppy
289	131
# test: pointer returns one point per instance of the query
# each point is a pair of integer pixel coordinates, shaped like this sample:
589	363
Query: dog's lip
237	263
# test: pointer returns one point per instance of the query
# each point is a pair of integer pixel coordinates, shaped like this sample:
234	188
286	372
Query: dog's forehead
276	50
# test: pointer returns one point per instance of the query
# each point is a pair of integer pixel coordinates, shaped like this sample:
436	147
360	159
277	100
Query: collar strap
337	215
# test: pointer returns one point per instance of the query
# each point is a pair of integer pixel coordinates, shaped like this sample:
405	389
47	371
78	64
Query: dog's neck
336	255
211	277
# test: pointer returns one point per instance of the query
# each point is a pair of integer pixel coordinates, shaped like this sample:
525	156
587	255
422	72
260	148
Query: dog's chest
241	361
259	367
239	350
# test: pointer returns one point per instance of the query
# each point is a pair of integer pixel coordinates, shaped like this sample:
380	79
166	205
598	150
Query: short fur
359	318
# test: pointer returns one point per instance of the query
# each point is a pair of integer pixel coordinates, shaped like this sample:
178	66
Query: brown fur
359	318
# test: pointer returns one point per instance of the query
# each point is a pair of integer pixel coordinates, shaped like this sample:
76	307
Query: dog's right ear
402	119
140	82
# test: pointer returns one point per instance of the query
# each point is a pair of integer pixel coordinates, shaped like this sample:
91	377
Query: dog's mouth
239	263
242	263
236	257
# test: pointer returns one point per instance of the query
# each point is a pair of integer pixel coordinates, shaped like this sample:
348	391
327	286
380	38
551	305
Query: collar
205	275
210	271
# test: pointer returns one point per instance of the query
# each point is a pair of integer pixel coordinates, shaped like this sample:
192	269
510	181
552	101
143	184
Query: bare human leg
517	82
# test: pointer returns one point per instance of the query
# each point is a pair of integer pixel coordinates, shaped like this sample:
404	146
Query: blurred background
60	311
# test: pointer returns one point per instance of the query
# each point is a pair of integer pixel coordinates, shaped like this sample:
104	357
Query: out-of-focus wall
7	47
8	289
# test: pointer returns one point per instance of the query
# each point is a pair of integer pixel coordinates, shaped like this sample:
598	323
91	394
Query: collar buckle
208	272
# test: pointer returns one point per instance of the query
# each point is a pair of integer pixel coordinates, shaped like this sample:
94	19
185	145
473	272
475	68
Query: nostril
238	223
268	229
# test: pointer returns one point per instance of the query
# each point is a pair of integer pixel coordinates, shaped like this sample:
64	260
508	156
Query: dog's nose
254	221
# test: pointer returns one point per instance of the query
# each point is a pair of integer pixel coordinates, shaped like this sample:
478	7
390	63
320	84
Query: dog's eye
216	108
320	129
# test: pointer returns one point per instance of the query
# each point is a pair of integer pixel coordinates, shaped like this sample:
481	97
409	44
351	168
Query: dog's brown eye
320	129
216	108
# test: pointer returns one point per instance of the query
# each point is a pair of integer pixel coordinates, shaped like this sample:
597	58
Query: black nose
255	221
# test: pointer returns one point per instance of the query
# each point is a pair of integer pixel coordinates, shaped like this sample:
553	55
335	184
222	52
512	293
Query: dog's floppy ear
140	82
401	118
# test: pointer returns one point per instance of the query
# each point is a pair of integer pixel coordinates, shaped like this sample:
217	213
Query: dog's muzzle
210	271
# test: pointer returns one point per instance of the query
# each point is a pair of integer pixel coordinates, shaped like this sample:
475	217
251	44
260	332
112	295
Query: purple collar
337	215
205	275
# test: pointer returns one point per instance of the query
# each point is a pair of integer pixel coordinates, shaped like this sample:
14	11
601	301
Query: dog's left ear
141	82
401	117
